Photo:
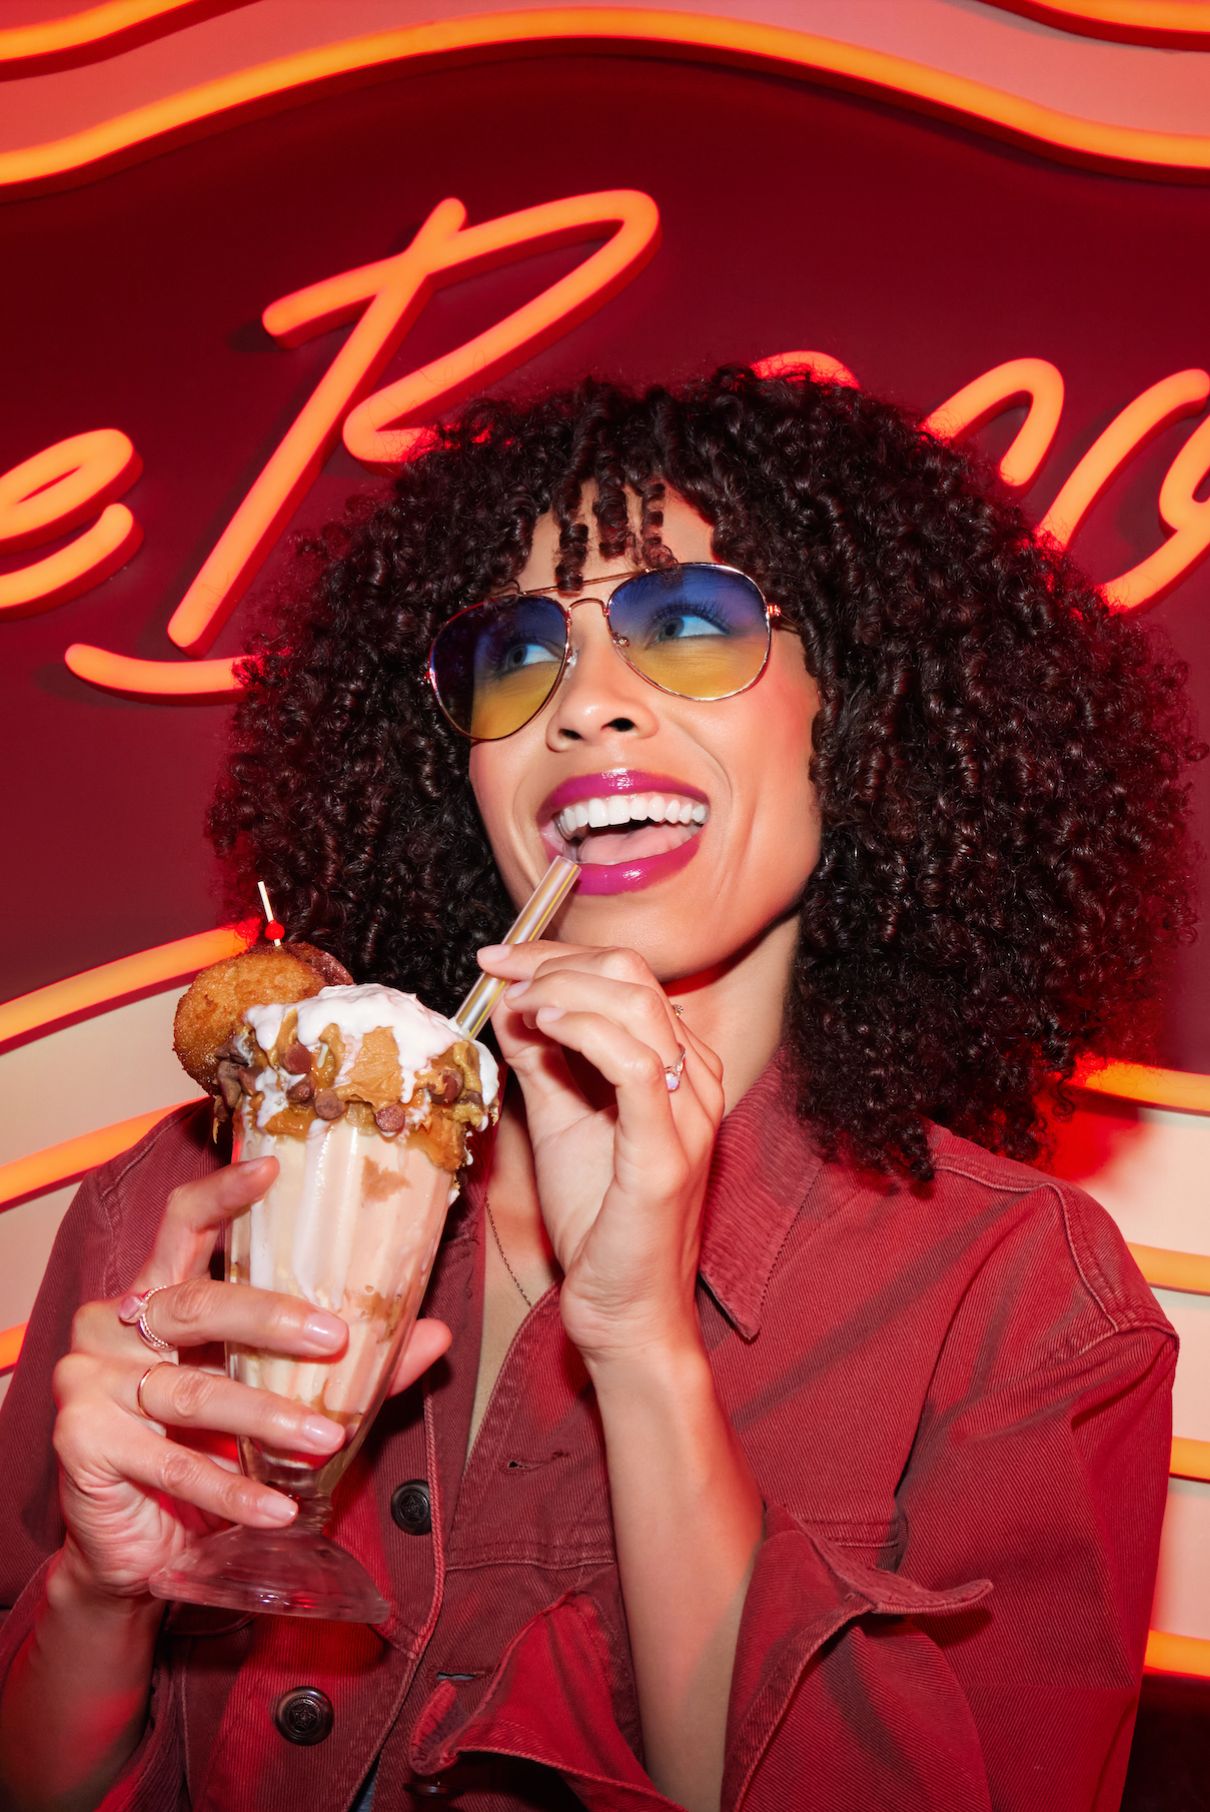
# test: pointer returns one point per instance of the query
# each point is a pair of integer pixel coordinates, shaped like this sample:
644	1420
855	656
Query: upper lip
615	780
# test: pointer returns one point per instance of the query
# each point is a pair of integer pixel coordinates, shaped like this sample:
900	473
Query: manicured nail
321	1431
546	1015
494	952
277	1509
323	1330
515	990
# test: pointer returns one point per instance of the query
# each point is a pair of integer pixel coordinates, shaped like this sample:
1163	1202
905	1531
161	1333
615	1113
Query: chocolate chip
249	1080
392	1118
228	1084
300	1092
447	1088
297	1059
328	1104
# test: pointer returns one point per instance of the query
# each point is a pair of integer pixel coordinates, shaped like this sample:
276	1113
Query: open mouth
625	827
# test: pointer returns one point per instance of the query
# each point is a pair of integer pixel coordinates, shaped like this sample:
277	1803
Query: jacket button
304	1715
412	1507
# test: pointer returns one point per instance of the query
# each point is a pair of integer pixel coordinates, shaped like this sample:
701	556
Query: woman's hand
621	1169
139	1483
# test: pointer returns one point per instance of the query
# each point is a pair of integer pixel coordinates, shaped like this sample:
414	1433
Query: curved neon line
915	84
1184	1090
19	43
94	990
170	679
1168	1653
1190	1459
1167	24
46	1169
1166	1269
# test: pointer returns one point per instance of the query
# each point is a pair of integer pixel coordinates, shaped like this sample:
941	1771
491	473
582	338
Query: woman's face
609	732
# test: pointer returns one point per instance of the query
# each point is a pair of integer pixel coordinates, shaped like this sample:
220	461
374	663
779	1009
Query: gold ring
138	1390
132	1313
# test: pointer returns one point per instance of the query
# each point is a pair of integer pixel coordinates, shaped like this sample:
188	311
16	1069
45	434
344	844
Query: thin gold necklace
491	1221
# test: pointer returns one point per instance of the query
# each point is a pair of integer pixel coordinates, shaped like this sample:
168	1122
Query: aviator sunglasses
697	630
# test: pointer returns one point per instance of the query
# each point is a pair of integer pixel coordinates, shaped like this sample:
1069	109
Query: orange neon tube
1183	1090
913	84
1166	1269
91	26
1168	24
1190	1459
57	1164
96	989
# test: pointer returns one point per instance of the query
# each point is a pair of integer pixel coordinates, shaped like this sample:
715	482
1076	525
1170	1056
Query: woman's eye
685	623
522	654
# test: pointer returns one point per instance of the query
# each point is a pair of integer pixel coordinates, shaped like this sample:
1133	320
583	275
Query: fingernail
278	1509
545	1015
493	952
515	990
323	1330
321	1431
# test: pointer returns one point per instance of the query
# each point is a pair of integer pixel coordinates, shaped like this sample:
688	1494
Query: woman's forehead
684	532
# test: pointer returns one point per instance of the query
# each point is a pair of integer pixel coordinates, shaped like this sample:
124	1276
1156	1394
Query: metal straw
530	922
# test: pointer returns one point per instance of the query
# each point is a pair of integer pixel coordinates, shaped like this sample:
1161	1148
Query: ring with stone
672	1071
679	1011
132	1313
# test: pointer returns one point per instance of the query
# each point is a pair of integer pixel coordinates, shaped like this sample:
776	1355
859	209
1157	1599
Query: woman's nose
599	694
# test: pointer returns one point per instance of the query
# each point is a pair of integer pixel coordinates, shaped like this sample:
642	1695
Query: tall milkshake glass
365	1097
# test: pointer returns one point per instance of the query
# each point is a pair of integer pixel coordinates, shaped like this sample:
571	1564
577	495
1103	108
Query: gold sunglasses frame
620	642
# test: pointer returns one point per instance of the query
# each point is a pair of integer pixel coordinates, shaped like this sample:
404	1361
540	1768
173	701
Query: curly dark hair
998	755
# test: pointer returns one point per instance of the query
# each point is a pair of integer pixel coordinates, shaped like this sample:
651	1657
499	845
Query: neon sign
55	490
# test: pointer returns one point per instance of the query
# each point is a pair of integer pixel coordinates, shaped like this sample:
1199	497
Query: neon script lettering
58	489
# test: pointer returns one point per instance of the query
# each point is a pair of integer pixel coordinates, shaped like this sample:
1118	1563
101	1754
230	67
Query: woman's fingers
182	1396
195	1216
429	1340
137	1453
642	1009
205	1312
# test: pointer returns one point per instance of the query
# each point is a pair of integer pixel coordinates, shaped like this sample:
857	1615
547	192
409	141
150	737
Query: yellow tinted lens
702	666
503	701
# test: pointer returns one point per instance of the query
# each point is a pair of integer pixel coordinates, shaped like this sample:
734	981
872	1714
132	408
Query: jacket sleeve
999	1667
98	1249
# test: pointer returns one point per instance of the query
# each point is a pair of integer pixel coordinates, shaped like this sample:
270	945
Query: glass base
289	1572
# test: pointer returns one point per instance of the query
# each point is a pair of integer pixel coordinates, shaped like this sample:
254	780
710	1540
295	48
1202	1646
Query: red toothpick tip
275	931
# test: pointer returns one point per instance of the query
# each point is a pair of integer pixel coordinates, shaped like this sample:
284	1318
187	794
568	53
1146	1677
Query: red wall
918	253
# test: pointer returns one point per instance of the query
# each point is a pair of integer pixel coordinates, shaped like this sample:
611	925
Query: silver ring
679	1011
132	1313
672	1071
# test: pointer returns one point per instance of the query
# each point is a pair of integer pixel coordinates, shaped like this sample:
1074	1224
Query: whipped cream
421	1035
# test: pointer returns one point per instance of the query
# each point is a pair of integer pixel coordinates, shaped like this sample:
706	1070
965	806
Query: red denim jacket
956	1400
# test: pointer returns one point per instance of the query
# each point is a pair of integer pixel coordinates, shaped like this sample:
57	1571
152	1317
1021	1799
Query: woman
808	1456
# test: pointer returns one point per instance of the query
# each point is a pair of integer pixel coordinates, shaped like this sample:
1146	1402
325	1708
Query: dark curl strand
998	756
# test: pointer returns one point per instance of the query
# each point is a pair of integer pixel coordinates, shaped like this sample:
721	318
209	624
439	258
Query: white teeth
628	808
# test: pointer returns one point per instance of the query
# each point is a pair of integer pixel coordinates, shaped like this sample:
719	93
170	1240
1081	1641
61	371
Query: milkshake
365	1097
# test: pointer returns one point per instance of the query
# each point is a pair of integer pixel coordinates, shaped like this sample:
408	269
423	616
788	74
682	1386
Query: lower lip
628	877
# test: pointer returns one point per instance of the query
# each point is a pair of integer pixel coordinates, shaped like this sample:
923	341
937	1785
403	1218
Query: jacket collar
762	1172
